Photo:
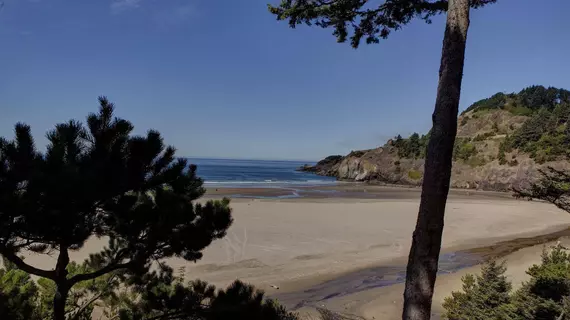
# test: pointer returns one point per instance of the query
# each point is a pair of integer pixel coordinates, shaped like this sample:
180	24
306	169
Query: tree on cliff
101	181
553	187
361	19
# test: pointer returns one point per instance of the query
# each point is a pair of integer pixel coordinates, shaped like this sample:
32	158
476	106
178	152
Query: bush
483	297
415	174
489	297
463	149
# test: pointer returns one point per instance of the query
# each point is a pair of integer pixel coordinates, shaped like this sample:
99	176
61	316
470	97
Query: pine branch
93	299
19	262
92	275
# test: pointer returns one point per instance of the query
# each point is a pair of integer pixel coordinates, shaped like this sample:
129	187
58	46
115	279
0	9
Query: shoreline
345	252
343	190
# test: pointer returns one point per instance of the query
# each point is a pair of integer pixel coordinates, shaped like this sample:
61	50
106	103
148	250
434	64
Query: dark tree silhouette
163	298
368	20
553	187
101	181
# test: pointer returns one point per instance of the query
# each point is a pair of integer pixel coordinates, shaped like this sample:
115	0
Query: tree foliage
553	186
489	297
545	136
100	180
483	297
526	102
496	101
359	20
18	294
413	147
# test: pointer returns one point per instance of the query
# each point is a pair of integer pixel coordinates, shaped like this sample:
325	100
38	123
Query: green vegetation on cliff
545	135
526	102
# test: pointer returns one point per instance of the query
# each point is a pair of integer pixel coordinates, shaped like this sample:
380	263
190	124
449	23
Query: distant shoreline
344	190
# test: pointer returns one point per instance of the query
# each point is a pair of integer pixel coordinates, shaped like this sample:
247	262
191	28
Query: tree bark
426	242
59	301
62	284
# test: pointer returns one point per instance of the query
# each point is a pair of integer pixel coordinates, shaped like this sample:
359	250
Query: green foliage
484	297
413	147
464	121
415	174
543	296
545	136
18	295
538	97
521	111
488	296
463	149
100	180
496	101
158	296
525	103
360	20
553	187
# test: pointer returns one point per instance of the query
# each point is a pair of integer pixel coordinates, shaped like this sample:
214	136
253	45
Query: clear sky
223	78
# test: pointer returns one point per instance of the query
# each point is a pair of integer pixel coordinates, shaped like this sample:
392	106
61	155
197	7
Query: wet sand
345	190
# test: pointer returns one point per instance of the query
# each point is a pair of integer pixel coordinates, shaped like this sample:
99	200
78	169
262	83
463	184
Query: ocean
256	173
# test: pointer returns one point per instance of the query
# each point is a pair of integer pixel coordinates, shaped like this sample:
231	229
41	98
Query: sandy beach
347	253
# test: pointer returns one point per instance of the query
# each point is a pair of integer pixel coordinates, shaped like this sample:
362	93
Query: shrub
483	297
463	149
488	296
415	174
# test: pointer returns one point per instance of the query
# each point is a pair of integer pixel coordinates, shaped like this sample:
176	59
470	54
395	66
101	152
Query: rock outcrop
483	129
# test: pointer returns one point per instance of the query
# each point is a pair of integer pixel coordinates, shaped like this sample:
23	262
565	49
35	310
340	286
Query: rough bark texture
426	242
62	284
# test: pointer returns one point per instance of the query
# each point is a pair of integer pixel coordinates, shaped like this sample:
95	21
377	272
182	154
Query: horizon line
248	159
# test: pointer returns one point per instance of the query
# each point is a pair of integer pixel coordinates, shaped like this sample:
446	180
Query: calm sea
256	173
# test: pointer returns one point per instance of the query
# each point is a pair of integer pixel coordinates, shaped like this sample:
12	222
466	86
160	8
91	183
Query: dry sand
296	244
292	243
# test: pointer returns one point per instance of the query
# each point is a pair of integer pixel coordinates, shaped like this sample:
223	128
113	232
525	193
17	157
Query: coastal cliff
502	142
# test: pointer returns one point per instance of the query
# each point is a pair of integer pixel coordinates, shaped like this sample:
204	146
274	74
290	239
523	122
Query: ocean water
256	173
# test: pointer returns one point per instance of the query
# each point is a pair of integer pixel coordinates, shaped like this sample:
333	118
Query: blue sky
223	78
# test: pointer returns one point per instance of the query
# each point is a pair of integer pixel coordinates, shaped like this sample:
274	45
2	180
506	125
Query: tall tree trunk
426	242
62	290
59	300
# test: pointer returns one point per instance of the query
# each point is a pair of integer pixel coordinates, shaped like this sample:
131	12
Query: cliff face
487	155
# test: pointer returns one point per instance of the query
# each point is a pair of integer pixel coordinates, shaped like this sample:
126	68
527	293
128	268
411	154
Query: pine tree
545	295
484	297
370	21
101	181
